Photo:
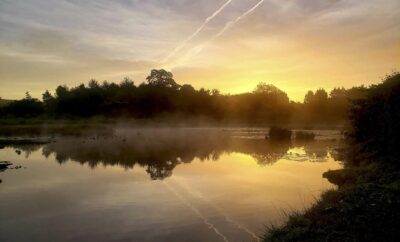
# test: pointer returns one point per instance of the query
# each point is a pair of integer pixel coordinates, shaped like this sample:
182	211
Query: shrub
276	133
375	123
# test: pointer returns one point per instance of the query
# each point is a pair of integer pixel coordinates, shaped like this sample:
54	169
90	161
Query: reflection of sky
295	45
234	195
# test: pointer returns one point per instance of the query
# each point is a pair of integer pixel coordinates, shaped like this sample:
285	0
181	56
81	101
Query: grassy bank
365	207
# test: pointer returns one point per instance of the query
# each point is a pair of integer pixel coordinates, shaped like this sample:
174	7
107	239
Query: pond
160	185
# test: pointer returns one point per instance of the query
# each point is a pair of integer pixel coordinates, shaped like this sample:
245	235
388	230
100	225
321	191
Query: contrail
183	43
227	26
232	23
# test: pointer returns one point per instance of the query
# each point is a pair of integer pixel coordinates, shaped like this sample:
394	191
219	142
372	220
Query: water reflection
205	186
160	151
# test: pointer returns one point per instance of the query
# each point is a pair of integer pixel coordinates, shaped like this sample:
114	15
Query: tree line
162	96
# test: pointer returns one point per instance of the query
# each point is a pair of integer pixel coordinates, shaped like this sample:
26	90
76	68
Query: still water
160	185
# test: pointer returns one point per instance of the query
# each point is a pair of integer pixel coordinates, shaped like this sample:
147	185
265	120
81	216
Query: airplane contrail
198	30
227	26
232	23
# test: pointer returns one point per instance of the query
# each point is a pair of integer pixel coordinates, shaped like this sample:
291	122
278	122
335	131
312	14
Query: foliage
365	205
27	107
375	122
161	96
319	107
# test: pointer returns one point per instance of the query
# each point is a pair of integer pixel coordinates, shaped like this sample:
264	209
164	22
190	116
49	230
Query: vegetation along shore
365	206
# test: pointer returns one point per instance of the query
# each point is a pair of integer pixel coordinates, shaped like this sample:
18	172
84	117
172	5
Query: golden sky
231	45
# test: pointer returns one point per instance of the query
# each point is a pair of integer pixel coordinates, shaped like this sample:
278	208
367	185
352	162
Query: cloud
291	43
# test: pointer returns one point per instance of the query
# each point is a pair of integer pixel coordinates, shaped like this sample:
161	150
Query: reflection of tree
161	171
28	149
317	150
273	152
264	152
159	152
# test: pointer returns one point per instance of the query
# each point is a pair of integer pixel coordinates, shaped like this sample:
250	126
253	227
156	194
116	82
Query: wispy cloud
294	44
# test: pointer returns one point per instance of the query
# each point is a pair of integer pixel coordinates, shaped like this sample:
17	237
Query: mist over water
160	184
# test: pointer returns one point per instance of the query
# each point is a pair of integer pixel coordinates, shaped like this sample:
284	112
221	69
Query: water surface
159	185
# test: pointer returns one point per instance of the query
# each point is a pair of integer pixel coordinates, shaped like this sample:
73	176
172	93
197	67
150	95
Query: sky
231	45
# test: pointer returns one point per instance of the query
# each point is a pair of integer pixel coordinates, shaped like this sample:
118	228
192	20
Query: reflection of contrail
197	212
228	219
181	45
227	26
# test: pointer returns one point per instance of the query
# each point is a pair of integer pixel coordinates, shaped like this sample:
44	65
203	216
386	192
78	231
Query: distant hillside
4	102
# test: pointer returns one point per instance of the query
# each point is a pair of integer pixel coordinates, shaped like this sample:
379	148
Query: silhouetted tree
162	78
162	96
375	122
48	102
316	107
27	107
269	104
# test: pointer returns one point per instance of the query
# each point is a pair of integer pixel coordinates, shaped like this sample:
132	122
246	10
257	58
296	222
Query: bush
375	123
28	107
281	134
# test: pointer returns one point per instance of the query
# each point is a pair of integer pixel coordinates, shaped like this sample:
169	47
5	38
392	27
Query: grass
365	207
